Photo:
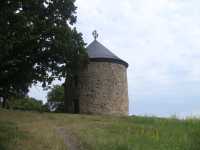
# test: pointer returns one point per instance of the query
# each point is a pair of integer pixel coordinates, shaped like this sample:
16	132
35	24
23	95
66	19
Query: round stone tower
103	84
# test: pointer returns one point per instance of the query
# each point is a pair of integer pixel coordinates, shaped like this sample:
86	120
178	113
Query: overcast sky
160	39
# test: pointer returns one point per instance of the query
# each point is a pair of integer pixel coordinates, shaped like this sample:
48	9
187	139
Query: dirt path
69	139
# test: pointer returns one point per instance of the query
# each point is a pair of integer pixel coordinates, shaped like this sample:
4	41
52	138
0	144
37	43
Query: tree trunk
4	103
68	96
76	95
71	95
76	106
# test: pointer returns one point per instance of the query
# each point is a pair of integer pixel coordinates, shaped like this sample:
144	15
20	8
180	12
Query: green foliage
59	108
27	104
38	44
55	98
56	94
45	108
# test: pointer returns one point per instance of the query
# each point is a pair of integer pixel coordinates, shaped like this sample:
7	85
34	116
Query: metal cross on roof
95	35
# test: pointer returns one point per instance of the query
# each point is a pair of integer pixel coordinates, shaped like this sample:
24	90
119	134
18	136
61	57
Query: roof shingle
98	52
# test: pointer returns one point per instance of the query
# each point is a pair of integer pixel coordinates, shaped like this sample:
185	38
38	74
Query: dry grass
33	131
39	131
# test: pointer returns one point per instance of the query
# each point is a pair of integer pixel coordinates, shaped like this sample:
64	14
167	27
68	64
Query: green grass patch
9	135
31	131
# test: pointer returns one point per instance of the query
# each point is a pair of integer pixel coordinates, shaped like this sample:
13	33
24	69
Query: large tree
38	43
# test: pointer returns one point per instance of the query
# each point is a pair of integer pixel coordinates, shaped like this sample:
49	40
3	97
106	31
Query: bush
45	108
27	103
55	99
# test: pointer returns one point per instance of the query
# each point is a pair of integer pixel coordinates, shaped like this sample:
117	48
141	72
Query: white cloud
158	38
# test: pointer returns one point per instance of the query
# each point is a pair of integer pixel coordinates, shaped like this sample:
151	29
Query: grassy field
47	131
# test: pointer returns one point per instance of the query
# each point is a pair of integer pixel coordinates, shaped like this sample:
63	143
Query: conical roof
99	53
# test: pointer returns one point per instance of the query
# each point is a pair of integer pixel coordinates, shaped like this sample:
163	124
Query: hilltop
49	131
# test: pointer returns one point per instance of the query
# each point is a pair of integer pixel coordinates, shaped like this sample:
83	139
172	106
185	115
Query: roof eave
111	60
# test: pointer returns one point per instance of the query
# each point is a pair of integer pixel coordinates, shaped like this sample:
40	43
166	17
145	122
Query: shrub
55	99
27	103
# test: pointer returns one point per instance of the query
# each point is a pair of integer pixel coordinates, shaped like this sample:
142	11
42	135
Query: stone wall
103	89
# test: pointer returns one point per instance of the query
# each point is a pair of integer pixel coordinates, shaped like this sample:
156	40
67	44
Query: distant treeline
55	102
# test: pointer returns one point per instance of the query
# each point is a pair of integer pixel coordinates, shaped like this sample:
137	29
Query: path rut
69	139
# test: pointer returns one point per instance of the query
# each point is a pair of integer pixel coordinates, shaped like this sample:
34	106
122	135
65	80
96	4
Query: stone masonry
104	89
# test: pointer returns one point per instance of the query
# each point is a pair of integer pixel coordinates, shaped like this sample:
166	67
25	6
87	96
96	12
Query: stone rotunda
103	84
